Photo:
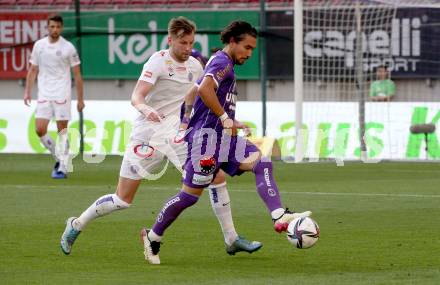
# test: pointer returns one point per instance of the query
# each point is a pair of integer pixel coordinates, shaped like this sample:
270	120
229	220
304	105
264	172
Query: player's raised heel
242	244
69	236
281	224
151	248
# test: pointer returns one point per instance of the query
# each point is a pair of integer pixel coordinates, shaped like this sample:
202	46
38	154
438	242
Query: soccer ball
303	232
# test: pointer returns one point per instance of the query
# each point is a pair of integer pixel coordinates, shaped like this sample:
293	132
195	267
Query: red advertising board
18	32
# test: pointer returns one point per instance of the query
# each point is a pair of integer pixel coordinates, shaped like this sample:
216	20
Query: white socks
49	143
152	236
220	202
101	207
62	150
278	213
59	150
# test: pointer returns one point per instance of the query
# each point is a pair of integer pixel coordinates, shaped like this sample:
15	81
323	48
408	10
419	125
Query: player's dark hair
237	30
181	26
56	18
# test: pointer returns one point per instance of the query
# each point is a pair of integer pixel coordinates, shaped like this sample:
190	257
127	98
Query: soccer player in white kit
51	59
158	95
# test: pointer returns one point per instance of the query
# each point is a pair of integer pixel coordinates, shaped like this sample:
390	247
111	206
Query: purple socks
266	186
172	209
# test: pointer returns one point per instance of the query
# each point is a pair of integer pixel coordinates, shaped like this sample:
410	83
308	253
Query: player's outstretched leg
169	213
101	207
268	191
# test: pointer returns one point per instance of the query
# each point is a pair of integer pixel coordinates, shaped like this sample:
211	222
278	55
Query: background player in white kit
158	95
51	59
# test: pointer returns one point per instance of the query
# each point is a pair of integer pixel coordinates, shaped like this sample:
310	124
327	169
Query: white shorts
60	110
150	161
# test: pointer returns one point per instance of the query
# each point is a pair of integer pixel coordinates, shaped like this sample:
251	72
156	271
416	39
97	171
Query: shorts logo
201	179
207	165
148	74
143	150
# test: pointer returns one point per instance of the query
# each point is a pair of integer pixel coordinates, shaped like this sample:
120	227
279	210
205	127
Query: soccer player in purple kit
213	143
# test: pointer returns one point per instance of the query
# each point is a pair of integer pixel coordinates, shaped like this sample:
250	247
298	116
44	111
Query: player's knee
40	131
220	178
262	166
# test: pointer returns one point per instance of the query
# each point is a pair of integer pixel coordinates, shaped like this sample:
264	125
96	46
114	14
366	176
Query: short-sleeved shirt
221	68
171	81
54	61
382	88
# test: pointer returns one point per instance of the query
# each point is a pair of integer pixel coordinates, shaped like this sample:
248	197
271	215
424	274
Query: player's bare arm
141	91
30	79
190	97
79	84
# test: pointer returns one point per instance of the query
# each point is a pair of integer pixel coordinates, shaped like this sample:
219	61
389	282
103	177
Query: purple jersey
221	68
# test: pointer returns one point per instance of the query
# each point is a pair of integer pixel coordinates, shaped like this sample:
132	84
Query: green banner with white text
117	44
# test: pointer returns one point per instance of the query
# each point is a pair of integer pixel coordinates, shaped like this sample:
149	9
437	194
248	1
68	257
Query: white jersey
54	61
171	81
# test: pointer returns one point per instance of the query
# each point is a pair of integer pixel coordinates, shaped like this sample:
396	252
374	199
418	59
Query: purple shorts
207	155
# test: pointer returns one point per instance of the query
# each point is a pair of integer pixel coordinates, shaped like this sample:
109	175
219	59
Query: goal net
341	111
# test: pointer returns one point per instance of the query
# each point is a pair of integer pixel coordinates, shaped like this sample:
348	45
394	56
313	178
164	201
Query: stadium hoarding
18	32
116	44
331	129
413	43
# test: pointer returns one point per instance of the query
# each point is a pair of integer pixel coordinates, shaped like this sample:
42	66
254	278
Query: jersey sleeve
152	69
34	55
73	57
218	69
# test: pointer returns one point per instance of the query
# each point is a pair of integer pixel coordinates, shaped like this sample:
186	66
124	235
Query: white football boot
151	248
281	223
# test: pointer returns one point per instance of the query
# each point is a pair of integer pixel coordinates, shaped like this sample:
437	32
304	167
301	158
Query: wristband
223	117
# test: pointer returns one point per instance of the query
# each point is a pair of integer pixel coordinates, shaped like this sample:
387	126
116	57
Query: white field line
146	187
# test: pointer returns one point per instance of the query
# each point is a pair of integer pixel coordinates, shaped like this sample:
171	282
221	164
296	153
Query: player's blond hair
181	26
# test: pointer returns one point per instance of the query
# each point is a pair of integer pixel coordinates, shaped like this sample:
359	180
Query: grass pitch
380	224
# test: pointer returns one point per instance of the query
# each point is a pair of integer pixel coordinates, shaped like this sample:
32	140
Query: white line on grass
146	187
355	194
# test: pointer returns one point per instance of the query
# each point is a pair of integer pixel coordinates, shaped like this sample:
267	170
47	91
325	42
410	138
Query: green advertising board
116	44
